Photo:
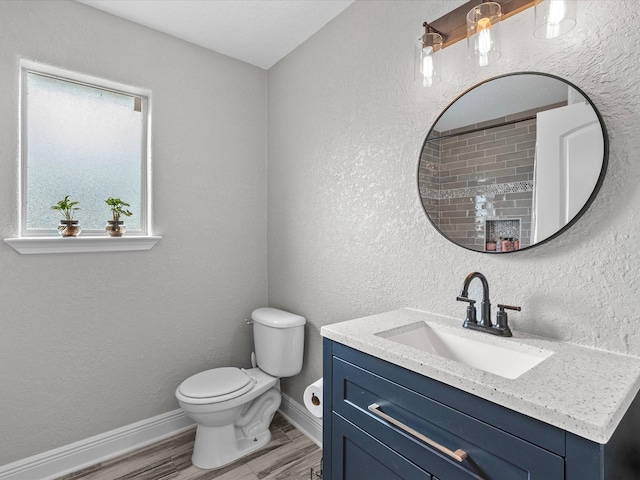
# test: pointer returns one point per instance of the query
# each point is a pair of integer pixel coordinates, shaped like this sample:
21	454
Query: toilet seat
217	385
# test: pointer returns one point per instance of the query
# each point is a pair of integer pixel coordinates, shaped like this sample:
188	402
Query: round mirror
512	162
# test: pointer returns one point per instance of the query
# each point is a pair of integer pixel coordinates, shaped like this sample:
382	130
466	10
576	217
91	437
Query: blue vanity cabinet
382	421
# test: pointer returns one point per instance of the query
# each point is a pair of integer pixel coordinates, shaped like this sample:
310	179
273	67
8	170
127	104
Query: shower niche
497	230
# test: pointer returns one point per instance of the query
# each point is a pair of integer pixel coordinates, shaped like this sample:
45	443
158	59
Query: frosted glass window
84	141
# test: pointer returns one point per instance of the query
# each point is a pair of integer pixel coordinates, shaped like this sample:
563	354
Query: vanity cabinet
382	421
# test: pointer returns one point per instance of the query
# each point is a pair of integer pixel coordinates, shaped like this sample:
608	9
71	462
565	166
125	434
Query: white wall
91	342
347	236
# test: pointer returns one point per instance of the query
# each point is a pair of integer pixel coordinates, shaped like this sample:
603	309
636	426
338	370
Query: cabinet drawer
491	454
359	456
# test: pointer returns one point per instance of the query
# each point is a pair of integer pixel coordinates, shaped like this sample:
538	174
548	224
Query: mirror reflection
512	162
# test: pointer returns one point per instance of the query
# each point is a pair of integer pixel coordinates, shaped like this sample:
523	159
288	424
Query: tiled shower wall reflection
465	179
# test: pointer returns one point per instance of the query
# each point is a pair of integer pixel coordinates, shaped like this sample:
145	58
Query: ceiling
259	32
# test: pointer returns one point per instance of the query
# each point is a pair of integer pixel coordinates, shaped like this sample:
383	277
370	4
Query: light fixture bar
453	25
429	29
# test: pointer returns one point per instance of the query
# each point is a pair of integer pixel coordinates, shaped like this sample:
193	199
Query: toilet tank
278	338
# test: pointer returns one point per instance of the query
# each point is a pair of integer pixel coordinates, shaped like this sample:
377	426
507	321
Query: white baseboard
302	419
70	458
76	456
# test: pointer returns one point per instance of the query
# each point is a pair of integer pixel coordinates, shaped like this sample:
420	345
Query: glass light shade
554	17
482	33
426	59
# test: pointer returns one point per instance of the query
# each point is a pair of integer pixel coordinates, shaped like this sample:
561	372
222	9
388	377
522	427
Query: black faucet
485	325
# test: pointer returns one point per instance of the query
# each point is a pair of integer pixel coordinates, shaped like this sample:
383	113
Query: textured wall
347	236
91	342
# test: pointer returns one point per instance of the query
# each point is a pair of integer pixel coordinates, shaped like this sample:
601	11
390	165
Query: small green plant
67	207
118	208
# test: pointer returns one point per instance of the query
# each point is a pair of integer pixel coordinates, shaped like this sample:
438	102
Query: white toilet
233	407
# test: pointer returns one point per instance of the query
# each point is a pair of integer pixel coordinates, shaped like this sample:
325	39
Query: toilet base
207	457
218	446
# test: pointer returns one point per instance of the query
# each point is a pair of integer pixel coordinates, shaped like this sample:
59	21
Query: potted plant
68	226
115	227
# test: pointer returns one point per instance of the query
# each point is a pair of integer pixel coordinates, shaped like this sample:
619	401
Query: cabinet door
358	456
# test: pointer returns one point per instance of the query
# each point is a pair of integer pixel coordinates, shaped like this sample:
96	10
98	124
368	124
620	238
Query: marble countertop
582	390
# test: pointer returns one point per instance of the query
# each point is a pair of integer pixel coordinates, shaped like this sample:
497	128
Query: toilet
233	407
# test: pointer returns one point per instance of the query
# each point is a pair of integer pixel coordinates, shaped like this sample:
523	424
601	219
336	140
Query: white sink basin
500	356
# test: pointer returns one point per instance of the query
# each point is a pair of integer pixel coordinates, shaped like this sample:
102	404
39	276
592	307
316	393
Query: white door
569	155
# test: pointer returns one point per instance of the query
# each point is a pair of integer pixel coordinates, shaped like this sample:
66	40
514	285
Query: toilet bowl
233	407
221	437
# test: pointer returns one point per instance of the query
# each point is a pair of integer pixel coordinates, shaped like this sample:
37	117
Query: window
86	138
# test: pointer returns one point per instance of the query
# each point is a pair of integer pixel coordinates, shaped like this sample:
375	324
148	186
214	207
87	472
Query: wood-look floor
289	455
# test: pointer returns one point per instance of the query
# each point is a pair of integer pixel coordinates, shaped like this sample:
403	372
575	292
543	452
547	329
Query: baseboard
70	458
301	418
76	456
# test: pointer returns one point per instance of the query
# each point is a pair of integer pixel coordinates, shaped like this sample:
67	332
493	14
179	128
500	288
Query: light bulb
427	63
556	12
484	23
556	16
484	41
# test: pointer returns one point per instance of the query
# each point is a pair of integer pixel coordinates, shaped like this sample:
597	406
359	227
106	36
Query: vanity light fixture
554	17
482	33
476	21
426	60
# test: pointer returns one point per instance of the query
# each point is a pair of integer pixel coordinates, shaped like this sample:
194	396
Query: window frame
27	67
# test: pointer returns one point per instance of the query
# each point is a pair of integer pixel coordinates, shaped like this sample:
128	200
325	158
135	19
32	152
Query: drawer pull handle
458	455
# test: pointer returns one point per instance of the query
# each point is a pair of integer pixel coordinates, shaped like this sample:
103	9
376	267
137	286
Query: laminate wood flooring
289	455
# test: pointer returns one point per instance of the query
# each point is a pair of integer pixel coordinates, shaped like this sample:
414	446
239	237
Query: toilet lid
217	382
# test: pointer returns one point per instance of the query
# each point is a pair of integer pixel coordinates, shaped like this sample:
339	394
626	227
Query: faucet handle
465	299
502	322
508	307
471	310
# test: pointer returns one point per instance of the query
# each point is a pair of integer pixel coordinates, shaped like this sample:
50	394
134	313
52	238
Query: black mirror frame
585	207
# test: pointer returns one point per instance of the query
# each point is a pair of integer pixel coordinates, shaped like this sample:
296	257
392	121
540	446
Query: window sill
38	245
